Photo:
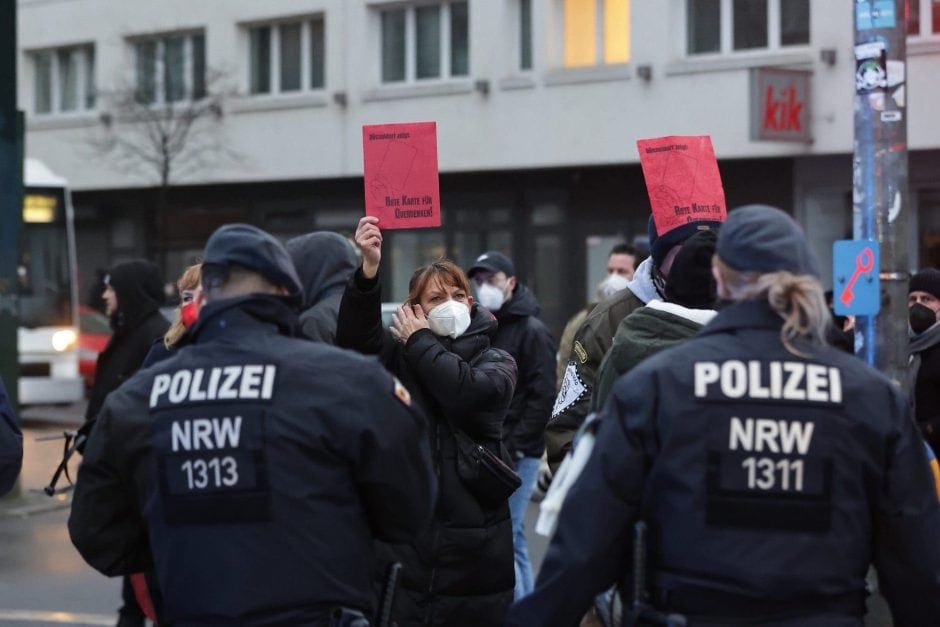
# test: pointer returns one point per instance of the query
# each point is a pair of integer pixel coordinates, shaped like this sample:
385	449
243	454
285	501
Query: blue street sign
856	288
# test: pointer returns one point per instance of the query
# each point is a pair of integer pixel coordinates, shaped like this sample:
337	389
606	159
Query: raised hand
407	320
369	241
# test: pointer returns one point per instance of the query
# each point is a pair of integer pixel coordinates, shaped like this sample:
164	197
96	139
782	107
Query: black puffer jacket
324	263
137	323
527	339
461	571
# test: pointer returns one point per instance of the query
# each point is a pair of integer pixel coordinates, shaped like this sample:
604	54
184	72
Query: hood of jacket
522	304
324	261
698	316
138	286
653	328
642	282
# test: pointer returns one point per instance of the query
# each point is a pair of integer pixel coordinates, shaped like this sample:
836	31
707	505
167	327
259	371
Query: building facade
538	105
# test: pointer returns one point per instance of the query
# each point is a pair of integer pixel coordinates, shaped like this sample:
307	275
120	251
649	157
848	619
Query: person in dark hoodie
460	571
11	444
521	334
325	261
133	295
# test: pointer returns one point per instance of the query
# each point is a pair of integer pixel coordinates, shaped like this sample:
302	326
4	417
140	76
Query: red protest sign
401	181
682	180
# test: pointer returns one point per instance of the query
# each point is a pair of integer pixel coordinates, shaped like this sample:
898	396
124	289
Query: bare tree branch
163	141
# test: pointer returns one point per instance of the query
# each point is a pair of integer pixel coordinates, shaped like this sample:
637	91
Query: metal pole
880	193
11	199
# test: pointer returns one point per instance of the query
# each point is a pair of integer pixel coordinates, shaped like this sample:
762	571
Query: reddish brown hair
443	270
189	280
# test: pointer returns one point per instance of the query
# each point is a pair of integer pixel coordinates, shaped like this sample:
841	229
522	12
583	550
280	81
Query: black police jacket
521	334
769	482
460	572
11	444
253	471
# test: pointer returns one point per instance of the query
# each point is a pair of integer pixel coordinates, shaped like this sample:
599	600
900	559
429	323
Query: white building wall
544	118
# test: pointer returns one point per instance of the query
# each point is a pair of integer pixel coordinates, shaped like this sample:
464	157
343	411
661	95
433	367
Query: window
170	68
525	34
64	79
923	17
596	32
427	41
724	26
287	57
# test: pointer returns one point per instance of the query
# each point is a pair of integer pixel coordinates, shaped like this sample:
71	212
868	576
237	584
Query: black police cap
760	238
250	247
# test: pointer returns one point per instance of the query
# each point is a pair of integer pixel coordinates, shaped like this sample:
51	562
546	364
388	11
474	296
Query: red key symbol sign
863	264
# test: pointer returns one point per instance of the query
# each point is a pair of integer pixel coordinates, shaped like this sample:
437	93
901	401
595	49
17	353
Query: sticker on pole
871	67
856	287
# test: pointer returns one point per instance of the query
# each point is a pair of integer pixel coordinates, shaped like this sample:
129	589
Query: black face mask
921	317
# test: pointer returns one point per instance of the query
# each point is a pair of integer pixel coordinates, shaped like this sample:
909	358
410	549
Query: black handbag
490	479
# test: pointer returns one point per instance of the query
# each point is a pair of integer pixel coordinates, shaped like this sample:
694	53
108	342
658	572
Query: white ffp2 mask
490	296
449	319
611	284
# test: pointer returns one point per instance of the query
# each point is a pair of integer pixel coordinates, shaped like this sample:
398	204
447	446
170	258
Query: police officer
770	468
253	469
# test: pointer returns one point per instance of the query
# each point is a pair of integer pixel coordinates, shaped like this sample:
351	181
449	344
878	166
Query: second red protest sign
682	179
401	175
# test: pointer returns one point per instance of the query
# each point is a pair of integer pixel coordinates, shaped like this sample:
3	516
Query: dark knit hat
660	245
690	281
760	238
250	247
492	261
927	280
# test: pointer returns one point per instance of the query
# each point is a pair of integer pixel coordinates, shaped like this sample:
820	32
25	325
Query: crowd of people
278	456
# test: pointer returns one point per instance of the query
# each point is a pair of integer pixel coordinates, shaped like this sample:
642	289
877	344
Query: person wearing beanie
689	305
253	470
594	338
771	469
923	305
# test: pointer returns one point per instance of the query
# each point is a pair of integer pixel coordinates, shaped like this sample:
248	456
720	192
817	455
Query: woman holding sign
460	572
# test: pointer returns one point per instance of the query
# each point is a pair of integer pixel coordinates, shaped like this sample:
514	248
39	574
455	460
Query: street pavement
43	580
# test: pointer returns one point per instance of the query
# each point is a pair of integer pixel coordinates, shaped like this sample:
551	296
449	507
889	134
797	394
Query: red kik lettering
771	108
794	108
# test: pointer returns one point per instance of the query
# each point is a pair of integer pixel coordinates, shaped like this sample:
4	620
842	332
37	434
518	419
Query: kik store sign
780	105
